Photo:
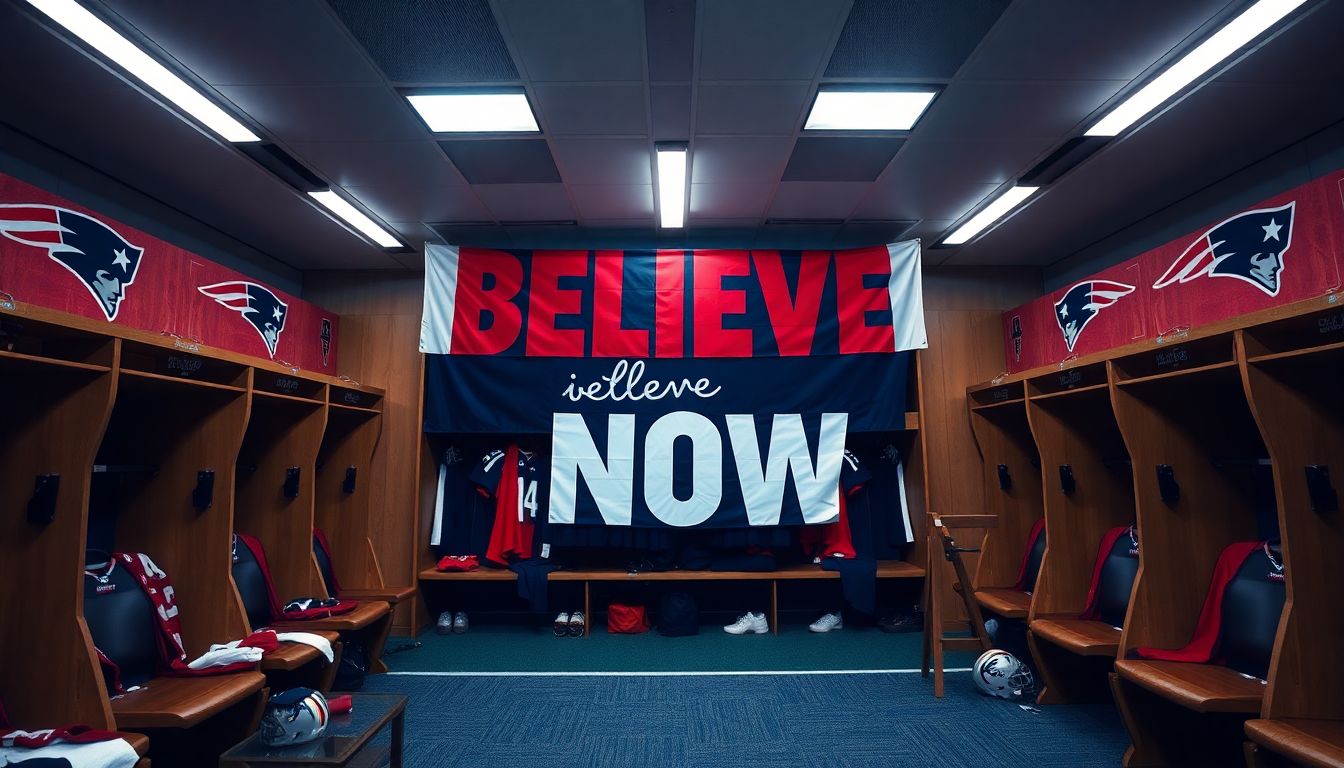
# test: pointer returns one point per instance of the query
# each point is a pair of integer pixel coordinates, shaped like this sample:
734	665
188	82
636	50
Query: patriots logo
263	309
91	250
1249	247
325	336
1083	302
1017	338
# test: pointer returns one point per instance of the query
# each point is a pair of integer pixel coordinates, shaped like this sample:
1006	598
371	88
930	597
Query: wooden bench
886	569
1315	743
1084	637
372	619
1008	603
1199	687
182	702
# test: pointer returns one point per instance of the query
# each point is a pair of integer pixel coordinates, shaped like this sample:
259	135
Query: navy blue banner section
718	443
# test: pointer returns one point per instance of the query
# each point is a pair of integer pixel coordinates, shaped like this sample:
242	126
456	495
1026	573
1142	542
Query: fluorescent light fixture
1223	43
672	186
107	41
867	110
990	214
475	112
355	218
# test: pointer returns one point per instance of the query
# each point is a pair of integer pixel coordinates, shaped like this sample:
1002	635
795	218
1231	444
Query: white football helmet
1000	673
295	716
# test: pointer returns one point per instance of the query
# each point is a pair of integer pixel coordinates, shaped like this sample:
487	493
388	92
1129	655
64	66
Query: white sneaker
827	623
561	626
748	622
444	625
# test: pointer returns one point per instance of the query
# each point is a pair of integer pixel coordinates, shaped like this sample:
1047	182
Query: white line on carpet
738	673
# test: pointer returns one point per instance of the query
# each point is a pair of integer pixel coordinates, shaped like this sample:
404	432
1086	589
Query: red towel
1037	529
1103	552
458	563
1204	644
510	538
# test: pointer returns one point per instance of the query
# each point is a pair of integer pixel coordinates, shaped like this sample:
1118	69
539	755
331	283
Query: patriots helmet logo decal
1083	302
1249	247
263	309
91	250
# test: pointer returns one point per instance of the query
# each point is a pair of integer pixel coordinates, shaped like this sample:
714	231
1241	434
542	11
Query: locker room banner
66	257
1281	250
704	388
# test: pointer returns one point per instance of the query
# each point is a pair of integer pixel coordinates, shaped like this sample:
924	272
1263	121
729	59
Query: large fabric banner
709	388
63	256
1284	249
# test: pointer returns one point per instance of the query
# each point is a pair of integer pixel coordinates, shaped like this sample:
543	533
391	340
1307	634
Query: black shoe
906	622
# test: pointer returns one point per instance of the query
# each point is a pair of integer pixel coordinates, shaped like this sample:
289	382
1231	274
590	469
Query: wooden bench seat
389	595
886	569
1008	603
182	702
291	656
1200	687
1314	743
1081	636
365	614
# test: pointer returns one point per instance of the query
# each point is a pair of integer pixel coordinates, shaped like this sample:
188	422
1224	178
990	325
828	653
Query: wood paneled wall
379	345
380	328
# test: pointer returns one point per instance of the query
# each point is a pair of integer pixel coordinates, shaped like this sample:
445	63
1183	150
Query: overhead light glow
867	110
355	218
107	41
1223	43
475	112
672	186
990	214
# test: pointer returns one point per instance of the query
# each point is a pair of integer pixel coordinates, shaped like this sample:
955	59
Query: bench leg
774	606
587	608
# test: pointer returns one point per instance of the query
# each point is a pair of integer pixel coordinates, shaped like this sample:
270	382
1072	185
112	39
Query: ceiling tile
816	199
526	202
407	39
766	39
722	233
477	236
773	109
1299	53
670	112
724	159
792	236
354	164
414	232
604	161
615	202
911	38
1071	40
294	42
327	113
409	201
921	197
669	29
970	161
857	234
729	201
592	109
502	161
1014	110
576	40
836	158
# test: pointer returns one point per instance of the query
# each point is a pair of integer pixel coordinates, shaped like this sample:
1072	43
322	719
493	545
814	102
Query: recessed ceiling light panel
125	54
867	110
1193	65
991	213
671	187
475	112
355	218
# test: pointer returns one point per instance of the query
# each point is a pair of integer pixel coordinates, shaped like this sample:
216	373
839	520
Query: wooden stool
941	544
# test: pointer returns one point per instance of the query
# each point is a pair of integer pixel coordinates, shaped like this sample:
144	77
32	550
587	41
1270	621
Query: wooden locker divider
1183	407
998	415
354	423
1074	427
58	388
289	414
1298	405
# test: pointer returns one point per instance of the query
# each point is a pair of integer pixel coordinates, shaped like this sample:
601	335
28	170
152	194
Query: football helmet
296	716
1000	673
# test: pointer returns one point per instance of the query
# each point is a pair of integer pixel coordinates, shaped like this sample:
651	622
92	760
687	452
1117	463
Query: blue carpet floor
800	721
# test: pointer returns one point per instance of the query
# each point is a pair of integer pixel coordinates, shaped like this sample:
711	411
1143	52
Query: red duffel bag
627	619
